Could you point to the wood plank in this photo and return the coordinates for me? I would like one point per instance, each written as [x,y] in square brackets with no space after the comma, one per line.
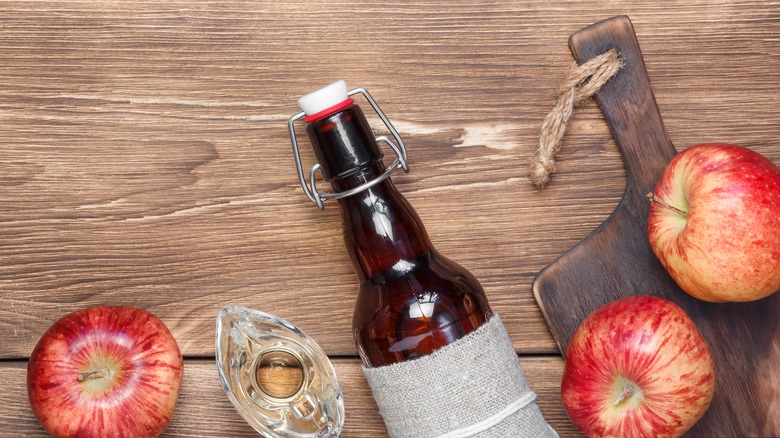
[144,158]
[204,411]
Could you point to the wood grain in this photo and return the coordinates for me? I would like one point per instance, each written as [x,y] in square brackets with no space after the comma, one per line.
[144,157]
[201,387]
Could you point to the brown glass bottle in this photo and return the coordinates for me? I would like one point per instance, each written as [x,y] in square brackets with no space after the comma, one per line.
[412,300]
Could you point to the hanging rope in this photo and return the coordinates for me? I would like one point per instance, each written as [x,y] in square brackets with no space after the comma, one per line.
[582,82]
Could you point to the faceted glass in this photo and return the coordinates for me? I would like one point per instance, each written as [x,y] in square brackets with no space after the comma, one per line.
[276,376]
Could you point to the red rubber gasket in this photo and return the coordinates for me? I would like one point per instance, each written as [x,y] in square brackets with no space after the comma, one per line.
[328,111]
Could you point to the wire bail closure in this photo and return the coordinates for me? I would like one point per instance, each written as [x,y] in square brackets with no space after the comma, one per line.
[310,189]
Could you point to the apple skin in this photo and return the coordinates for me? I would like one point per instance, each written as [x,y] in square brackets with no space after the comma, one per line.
[637,367]
[727,245]
[138,396]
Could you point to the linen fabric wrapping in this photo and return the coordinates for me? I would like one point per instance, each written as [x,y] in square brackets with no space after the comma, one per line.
[473,387]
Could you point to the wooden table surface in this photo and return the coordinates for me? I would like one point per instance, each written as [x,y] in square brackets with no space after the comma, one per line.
[145,160]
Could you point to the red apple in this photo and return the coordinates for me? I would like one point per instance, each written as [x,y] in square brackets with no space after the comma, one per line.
[715,223]
[105,372]
[637,367]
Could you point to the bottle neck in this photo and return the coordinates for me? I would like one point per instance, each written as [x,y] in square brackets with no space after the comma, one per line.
[381,230]
[344,143]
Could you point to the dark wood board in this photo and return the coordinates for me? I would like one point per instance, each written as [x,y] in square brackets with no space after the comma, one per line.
[617,261]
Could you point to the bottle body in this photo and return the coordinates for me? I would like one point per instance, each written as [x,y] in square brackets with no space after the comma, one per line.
[412,300]
[403,318]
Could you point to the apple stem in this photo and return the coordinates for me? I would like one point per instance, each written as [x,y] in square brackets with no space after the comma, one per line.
[96,374]
[625,394]
[651,196]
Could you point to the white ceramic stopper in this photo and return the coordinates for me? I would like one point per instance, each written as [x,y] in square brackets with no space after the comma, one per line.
[324,98]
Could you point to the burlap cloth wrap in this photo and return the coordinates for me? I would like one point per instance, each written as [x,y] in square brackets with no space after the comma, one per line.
[471,388]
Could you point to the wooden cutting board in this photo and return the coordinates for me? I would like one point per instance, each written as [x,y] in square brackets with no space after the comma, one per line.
[617,261]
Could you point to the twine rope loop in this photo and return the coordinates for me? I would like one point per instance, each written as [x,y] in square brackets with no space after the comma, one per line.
[582,82]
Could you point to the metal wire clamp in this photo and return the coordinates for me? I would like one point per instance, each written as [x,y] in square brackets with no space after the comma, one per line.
[310,189]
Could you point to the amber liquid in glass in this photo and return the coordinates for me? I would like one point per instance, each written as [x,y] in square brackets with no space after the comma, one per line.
[412,300]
